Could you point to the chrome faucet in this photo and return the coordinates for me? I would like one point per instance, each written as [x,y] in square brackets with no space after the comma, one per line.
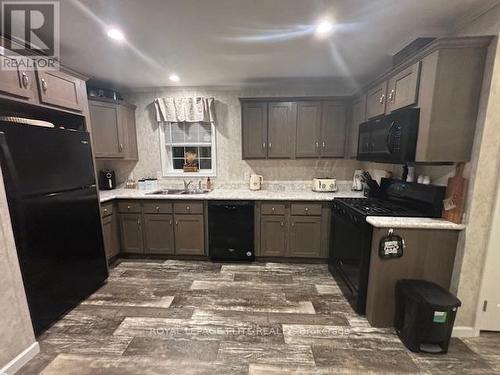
[186,184]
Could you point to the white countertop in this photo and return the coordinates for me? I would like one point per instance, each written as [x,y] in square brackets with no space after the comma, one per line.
[412,223]
[231,194]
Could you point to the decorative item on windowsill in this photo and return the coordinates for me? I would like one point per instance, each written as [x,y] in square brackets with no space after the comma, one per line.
[190,162]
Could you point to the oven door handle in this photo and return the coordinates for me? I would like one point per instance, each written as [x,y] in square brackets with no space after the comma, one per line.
[388,140]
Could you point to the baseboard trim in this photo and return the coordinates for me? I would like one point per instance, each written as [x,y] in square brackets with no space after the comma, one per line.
[464,331]
[21,359]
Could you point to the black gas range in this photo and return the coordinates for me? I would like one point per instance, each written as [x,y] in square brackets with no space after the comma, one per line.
[350,247]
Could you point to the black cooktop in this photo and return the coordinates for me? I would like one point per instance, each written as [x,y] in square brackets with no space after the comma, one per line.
[378,207]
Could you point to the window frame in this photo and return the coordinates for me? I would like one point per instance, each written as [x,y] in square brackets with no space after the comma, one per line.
[167,167]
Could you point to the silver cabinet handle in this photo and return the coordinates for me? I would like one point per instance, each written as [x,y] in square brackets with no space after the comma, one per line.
[105,210]
[177,222]
[44,85]
[157,208]
[272,209]
[323,145]
[307,210]
[128,208]
[138,221]
[293,223]
[25,80]
[391,95]
[264,145]
[120,147]
[188,208]
[282,223]
[382,98]
[170,222]
[270,145]
[317,144]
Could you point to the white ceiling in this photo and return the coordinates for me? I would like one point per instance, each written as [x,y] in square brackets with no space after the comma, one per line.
[247,42]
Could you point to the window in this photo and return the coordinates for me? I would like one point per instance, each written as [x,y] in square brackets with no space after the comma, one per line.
[188,148]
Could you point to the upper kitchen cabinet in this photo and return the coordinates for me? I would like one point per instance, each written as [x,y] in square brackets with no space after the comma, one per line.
[59,89]
[17,84]
[113,130]
[444,81]
[375,100]
[333,129]
[295,128]
[281,130]
[402,89]
[308,129]
[358,116]
[254,130]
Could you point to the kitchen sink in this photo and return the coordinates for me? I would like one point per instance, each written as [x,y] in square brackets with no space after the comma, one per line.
[178,192]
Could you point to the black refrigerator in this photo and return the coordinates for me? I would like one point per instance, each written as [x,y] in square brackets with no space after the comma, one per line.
[50,184]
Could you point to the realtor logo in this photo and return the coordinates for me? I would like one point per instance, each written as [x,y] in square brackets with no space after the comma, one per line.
[31,29]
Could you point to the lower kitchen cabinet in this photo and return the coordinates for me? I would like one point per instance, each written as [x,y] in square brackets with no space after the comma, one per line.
[131,233]
[273,236]
[189,235]
[305,236]
[159,234]
[293,229]
[110,235]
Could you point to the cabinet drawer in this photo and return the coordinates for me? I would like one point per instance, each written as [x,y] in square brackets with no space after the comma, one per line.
[157,208]
[309,209]
[106,209]
[127,206]
[188,207]
[273,209]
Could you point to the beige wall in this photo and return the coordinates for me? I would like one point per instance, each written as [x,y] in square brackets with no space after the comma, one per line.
[484,175]
[16,331]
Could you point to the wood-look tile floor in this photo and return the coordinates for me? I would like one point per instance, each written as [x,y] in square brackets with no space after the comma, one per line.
[188,317]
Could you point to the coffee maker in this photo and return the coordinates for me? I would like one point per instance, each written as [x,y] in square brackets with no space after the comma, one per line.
[107,179]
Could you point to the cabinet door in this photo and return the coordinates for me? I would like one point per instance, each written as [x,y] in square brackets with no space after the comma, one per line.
[17,83]
[254,130]
[158,234]
[333,130]
[376,100]
[107,233]
[358,117]
[273,233]
[131,233]
[59,89]
[281,130]
[403,88]
[308,129]
[107,132]
[130,134]
[189,235]
[305,236]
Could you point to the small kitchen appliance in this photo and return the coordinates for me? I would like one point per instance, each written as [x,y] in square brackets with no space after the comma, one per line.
[107,179]
[324,185]
[256,181]
[391,138]
[357,180]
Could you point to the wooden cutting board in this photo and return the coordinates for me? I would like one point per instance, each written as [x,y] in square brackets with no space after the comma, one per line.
[454,203]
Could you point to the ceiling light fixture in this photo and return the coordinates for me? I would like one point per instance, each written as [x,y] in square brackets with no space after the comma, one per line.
[174,78]
[116,34]
[324,28]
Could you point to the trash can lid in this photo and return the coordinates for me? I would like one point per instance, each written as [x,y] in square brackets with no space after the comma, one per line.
[428,292]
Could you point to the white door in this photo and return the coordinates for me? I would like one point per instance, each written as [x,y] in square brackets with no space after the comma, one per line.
[488,318]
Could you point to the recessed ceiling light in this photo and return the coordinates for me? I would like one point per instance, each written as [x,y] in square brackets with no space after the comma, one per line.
[116,34]
[324,28]
[174,78]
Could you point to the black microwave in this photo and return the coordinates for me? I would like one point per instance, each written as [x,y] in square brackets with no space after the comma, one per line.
[391,138]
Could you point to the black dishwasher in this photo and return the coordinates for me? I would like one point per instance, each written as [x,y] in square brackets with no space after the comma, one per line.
[231,230]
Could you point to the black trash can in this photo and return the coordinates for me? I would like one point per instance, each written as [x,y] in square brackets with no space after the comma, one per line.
[425,313]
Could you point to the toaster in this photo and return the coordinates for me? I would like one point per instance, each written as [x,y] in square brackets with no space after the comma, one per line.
[327,185]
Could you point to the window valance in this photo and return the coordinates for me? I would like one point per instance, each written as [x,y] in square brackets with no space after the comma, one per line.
[196,109]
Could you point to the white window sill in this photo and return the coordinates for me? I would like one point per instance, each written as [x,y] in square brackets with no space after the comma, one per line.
[189,174]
